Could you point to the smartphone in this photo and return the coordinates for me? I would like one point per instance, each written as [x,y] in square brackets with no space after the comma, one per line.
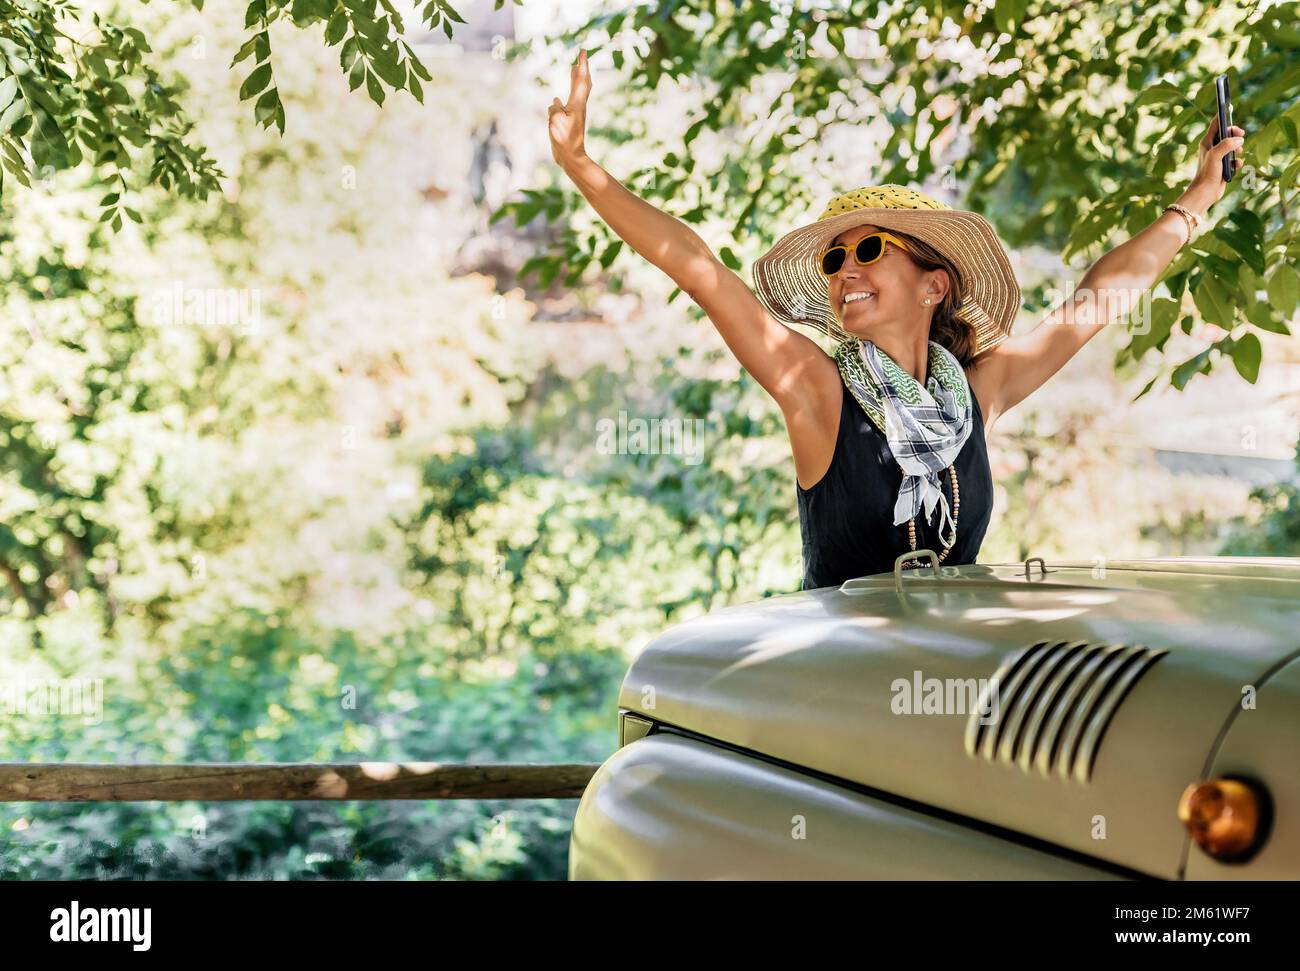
[1225,121]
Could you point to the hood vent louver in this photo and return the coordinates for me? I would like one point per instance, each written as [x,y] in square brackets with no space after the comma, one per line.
[1054,702]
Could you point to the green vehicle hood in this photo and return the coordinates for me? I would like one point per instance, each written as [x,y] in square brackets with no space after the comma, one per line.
[823,680]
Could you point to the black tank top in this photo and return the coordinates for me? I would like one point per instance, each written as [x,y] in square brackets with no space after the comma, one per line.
[847,519]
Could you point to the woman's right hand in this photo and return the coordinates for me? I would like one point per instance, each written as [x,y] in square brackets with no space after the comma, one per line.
[568,122]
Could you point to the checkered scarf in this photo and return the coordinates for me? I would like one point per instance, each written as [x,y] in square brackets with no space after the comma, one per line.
[925,425]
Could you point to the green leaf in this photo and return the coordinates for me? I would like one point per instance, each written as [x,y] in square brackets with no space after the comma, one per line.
[1160,94]
[47,144]
[1249,222]
[1292,132]
[1284,290]
[1141,215]
[1200,364]
[373,30]
[266,107]
[729,259]
[1248,282]
[256,11]
[8,88]
[38,96]
[255,82]
[1281,34]
[1177,284]
[1163,314]
[1214,302]
[357,74]
[245,50]
[1246,354]
[416,67]
[374,89]
[526,211]
[305,12]
[1244,243]
[349,54]
[1147,388]
[336,28]
[1264,317]
[1223,268]
[384,64]
[610,253]
[16,110]
[1087,232]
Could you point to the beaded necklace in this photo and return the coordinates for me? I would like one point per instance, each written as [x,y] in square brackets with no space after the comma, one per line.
[956,510]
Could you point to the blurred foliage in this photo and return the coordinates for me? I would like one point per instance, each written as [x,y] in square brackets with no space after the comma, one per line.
[530,535]
[1272,528]
[102,417]
[78,83]
[212,427]
[1081,121]
[252,689]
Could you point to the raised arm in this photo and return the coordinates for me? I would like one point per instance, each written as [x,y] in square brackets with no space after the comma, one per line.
[1008,373]
[791,367]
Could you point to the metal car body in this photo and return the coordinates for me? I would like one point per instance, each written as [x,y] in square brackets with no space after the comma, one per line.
[985,721]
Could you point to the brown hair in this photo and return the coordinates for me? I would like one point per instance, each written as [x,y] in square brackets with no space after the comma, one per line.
[946,328]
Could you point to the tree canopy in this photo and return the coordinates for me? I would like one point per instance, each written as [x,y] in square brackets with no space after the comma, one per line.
[78,84]
[1078,121]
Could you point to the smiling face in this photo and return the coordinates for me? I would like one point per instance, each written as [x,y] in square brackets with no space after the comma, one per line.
[889,293]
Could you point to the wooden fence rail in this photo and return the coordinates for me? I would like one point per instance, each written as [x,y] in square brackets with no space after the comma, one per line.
[278,781]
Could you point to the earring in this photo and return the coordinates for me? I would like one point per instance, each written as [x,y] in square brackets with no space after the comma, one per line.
[927,301]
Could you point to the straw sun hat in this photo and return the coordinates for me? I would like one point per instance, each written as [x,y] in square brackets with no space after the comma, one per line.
[789,282]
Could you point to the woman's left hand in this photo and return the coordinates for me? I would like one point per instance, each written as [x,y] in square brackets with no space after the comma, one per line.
[1208,182]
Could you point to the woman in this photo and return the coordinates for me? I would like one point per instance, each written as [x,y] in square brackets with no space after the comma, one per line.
[921,299]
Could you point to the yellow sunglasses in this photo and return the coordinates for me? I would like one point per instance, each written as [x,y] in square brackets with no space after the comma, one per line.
[866,251]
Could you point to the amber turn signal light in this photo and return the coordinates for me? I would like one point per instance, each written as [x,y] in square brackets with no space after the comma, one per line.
[1223,817]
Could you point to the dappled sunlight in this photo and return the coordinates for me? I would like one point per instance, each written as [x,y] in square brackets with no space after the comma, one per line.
[351,451]
[793,640]
[330,785]
[1088,598]
[1019,615]
[386,771]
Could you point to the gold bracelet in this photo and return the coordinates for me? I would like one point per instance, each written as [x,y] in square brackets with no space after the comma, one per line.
[1190,218]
